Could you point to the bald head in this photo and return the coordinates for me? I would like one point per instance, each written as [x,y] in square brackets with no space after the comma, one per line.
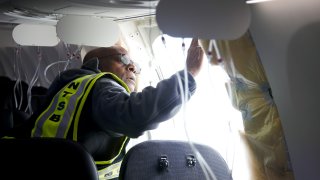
[110,60]
[103,52]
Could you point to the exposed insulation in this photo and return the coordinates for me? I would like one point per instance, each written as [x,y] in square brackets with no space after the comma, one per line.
[250,93]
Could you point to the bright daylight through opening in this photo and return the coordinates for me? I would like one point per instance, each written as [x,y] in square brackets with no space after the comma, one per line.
[209,117]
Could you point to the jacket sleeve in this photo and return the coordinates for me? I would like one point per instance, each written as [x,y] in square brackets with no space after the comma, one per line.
[116,110]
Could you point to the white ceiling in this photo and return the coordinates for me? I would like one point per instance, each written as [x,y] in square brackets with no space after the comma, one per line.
[49,12]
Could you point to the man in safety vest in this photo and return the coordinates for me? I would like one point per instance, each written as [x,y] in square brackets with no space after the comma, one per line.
[97,106]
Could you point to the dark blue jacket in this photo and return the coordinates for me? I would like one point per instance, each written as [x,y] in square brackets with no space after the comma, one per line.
[111,113]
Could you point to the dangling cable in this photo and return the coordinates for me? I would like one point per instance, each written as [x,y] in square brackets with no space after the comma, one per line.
[203,164]
[49,66]
[66,46]
[16,71]
[17,88]
[213,44]
[184,92]
[70,56]
[231,132]
[163,40]
[158,68]
[33,81]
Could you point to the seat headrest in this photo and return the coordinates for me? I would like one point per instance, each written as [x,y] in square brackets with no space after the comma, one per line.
[45,158]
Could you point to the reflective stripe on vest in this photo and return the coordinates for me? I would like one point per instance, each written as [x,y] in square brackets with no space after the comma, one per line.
[56,120]
[66,107]
[113,170]
[110,172]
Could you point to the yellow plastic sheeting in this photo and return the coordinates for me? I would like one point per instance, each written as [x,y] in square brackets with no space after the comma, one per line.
[250,93]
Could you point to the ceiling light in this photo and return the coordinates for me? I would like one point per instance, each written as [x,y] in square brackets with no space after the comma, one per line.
[256,1]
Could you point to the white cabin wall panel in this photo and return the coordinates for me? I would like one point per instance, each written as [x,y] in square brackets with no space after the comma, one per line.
[287,37]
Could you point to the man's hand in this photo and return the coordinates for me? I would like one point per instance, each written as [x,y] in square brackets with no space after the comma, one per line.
[195,57]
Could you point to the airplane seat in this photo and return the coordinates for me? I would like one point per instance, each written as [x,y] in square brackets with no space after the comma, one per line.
[10,119]
[7,109]
[12,116]
[6,121]
[171,160]
[45,158]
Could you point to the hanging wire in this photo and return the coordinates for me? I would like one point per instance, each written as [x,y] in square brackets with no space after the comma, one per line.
[70,57]
[33,81]
[213,44]
[203,164]
[149,135]
[184,91]
[235,140]
[230,148]
[17,88]
[158,68]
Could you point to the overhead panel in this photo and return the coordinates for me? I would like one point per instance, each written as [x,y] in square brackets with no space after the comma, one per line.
[88,30]
[207,19]
[35,35]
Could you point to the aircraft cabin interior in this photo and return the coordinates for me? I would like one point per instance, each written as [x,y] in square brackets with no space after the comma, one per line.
[255,106]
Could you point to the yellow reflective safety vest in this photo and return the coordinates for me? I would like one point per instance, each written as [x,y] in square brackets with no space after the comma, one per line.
[65,110]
